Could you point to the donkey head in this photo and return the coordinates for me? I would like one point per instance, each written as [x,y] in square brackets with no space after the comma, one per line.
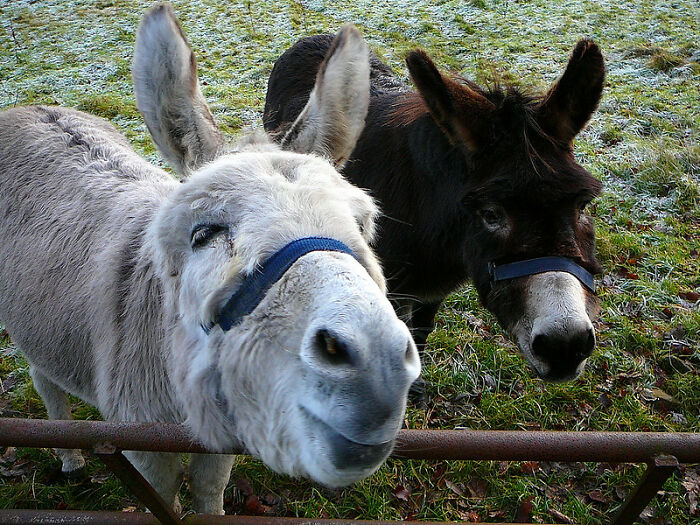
[312,375]
[523,198]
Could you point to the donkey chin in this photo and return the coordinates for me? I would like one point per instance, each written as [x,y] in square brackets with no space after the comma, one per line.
[555,332]
[336,458]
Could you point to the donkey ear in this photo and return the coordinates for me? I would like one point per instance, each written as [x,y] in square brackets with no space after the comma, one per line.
[168,95]
[570,102]
[334,116]
[460,109]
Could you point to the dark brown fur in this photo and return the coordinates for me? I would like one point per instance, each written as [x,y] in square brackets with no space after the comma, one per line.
[441,159]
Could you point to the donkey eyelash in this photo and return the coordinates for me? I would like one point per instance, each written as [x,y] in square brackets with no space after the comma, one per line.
[491,216]
[203,233]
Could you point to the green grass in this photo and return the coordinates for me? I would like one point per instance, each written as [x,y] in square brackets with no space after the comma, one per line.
[642,143]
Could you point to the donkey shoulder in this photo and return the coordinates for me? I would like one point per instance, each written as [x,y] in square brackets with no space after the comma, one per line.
[82,144]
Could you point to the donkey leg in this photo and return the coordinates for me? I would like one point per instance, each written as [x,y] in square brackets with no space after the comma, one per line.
[422,324]
[58,407]
[163,471]
[209,474]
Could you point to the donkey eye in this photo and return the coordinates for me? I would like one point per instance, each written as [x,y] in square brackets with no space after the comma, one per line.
[203,233]
[582,207]
[492,217]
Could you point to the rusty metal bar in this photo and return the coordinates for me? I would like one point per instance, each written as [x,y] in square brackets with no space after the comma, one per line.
[66,517]
[504,445]
[132,478]
[61,517]
[43,433]
[661,451]
[654,478]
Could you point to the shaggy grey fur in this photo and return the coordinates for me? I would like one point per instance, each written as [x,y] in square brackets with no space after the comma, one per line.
[103,290]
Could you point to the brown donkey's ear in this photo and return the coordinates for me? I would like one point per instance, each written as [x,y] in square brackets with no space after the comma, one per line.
[459,109]
[570,102]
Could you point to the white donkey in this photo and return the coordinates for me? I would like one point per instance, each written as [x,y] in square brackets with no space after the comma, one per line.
[244,302]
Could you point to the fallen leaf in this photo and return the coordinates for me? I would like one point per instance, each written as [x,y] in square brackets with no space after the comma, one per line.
[244,486]
[454,488]
[660,399]
[689,296]
[7,384]
[691,483]
[439,471]
[678,418]
[9,456]
[584,408]
[604,400]
[598,496]
[621,493]
[253,505]
[676,364]
[477,488]
[693,503]
[130,508]
[524,513]
[402,493]
[19,468]
[469,515]
[99,478]
[529,467]
[681,348]
[271,499]
[563,518]
[624,272]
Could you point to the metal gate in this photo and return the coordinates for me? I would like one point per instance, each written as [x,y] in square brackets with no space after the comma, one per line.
[661,451]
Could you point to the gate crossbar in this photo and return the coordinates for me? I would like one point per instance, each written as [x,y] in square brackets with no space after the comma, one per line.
[661,451]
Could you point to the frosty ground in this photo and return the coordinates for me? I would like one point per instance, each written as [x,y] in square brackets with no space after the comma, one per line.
[642,143]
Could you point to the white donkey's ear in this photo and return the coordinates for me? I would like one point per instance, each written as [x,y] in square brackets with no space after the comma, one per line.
[168,95]
[334,116]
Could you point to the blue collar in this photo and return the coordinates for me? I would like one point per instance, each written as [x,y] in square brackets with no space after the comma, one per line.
[502,272]
[255,285]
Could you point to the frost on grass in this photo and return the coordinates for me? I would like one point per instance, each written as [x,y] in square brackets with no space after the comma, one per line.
[643,143]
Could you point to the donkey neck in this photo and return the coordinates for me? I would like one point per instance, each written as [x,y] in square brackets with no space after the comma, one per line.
[415,173]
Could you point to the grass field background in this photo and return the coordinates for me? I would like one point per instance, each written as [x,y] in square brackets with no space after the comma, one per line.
[642,143]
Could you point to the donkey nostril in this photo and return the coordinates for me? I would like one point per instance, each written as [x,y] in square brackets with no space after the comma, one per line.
[408,356]
[330,349]
[588,345]
[542,347]
[582,344]
[556,349]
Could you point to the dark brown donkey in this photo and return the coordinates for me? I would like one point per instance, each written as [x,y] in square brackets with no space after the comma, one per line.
[477,184]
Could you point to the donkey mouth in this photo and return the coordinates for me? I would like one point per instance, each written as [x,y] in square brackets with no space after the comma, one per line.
[557,372]
[346,453]
[562,374]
